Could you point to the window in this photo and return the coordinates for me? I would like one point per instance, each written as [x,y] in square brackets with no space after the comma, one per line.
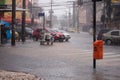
[115,33]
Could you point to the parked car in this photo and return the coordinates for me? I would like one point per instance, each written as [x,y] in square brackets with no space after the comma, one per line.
[67,35]
[101,32]
[111,37]
[28,31]
[58,36]
[36,34]
[72,30]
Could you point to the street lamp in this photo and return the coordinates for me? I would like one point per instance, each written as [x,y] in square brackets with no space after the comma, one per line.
[70,19]
[67,20]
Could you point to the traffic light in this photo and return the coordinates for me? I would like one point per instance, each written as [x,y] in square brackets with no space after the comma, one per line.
[96,0]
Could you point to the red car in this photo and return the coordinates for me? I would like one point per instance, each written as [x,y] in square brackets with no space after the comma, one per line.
[58,36]
[36,34]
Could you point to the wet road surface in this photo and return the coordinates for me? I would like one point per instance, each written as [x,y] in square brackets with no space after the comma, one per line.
[62,61]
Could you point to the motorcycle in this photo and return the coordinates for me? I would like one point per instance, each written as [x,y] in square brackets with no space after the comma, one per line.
[46,37]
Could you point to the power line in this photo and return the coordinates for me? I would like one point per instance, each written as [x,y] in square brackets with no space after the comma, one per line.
[55,9]
[54,5]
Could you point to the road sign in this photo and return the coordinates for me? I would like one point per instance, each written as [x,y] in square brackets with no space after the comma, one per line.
[41,14]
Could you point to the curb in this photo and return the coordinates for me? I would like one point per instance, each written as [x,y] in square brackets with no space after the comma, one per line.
[12,75]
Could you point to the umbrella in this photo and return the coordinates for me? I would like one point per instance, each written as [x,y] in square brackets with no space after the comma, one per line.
[7,24]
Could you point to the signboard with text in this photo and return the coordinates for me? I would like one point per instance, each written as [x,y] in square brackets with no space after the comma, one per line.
[2,2]
[41,14]
[2,6]
[115,1]
[8,15]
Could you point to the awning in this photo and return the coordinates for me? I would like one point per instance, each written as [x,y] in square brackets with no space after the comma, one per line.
[29,21]
[20,20]
[7,19]
[10,9]
[2,22]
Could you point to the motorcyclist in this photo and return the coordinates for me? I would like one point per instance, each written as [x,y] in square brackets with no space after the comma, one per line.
[47,35]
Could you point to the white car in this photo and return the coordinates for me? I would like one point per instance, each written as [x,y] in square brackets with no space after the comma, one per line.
[112,36]
[67,35]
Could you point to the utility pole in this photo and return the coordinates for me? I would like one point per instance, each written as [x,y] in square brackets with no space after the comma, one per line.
[42,16]
[67,19]
[69,16]
[23,21]
[79,2]
[108,11]
[32,16]
[103,17]
[13,22]
[51,11]
[78,13]
[94,29]
[73,14]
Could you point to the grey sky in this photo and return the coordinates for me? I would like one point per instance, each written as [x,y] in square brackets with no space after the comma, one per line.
[58,10]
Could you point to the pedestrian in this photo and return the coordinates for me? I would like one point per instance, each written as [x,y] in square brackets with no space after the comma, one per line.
[3,34]
[18,29]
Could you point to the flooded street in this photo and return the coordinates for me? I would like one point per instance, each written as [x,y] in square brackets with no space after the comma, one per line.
[54,39]
[61,61]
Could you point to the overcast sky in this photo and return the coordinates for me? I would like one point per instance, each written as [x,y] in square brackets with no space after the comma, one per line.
[58,10]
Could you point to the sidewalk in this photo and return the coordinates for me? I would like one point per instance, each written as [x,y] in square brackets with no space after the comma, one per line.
[13,75]
[61,61]
[9,75]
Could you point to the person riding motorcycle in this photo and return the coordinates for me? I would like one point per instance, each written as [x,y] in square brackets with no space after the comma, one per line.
[47,37]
